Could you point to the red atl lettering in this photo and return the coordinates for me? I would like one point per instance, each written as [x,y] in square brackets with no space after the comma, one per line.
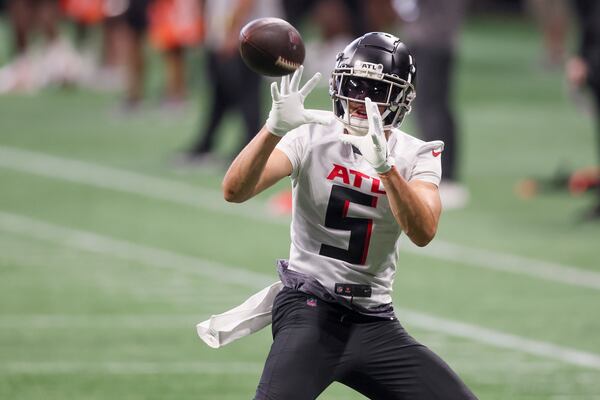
[375,186]
[358,177]
[341,172]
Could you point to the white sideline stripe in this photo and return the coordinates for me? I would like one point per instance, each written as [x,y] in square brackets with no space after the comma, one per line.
[154,257]
[493,260]
[209,199]
[125,181]
[71,321]
[500,339]
[128,367]
[132,252]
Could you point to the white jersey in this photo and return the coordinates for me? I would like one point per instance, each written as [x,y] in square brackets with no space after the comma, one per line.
[343,230]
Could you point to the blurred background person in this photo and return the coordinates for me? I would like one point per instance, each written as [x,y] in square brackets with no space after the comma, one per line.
[552,18]
[175,25]
[431,29]
[135,20]
[27,16]
[336,22]
[45,55]
[351,15]
[172,26]
[104,66]
[233,86]
[583,70]
[32,67]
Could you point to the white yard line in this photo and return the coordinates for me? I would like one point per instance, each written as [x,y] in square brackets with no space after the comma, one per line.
[182,193]
[129,367]
[86,321]
[151,256]
[494,260]
[500,339]
[103,177]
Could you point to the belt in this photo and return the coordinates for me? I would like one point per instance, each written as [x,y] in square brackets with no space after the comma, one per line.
[352,290]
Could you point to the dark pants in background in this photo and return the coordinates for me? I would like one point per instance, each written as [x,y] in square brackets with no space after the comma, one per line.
[434,116]
[233,87]
[595,88]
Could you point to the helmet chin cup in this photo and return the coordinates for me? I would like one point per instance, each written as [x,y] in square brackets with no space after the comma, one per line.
[356,126]
[354,131]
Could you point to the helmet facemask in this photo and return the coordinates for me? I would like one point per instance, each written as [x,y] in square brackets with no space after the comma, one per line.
[354,84]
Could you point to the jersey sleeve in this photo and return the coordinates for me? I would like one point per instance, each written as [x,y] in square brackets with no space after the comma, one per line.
[294,145]
[428,163]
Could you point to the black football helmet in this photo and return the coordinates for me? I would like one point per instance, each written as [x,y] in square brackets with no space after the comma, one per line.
[379,66]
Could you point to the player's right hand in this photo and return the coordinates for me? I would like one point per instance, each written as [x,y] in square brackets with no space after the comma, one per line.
[287,111]
[373,146]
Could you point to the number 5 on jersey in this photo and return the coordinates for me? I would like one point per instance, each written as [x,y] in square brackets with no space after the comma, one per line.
[360,228]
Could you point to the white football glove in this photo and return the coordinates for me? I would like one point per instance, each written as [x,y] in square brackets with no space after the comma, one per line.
[287,111]
[373,146]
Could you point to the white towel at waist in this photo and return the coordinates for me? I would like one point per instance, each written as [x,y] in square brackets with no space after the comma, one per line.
[249,317]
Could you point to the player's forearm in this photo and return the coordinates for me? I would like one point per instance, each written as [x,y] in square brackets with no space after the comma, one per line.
[240,181]
[412,213]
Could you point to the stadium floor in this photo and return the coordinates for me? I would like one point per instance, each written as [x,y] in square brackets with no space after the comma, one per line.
[110,254]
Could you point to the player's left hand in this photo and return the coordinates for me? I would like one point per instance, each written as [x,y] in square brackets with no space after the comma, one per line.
[373,145]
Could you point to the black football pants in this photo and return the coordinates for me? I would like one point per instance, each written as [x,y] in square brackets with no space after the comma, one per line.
[317,343]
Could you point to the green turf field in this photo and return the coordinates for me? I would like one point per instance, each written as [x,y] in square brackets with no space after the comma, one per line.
[109,255]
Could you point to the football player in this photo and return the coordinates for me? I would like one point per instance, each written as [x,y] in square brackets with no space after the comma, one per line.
[358,182]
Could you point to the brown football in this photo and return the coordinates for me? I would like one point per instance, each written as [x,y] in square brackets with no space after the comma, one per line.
[271,47]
